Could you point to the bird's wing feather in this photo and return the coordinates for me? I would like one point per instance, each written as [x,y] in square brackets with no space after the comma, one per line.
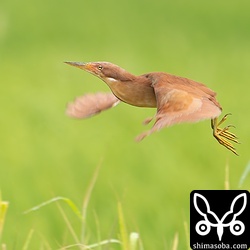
[91,104]
[176,104]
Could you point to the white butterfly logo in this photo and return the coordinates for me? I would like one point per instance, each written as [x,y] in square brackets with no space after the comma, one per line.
[236,227]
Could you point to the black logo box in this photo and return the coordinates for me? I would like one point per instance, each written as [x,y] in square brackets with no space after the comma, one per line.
[220,202]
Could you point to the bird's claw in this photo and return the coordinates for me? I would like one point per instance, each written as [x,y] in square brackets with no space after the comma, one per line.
[222,135]
[223,119]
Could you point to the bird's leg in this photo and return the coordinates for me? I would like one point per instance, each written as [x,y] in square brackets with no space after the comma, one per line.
[223,135]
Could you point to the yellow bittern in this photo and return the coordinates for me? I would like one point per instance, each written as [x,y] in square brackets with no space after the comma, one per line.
[177,99]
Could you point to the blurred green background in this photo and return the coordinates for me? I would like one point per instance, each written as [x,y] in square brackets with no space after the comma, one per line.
[46,154]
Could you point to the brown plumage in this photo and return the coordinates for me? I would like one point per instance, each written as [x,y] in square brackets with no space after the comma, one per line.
[177,99]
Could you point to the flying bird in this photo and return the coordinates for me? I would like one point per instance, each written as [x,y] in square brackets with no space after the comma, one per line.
[177,99]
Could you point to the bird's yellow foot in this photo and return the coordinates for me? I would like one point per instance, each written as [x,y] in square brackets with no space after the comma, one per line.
[223,136]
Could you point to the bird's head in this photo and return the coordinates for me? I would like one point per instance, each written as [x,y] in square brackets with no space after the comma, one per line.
[106,71]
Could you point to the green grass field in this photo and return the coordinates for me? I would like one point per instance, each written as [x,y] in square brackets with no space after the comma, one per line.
[45,154]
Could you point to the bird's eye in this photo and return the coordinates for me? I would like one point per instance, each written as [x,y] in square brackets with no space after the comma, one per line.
[100,67]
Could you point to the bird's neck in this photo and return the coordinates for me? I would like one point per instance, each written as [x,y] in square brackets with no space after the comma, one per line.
[120,75]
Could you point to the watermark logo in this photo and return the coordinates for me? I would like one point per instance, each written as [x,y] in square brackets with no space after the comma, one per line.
[219,219]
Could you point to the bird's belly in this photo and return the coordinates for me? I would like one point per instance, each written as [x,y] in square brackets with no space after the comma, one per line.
[140,97]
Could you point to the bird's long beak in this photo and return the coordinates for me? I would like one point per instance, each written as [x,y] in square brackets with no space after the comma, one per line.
[85,66]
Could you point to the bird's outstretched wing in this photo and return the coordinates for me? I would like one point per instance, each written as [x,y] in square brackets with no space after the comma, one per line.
[91,104]
[178,102]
